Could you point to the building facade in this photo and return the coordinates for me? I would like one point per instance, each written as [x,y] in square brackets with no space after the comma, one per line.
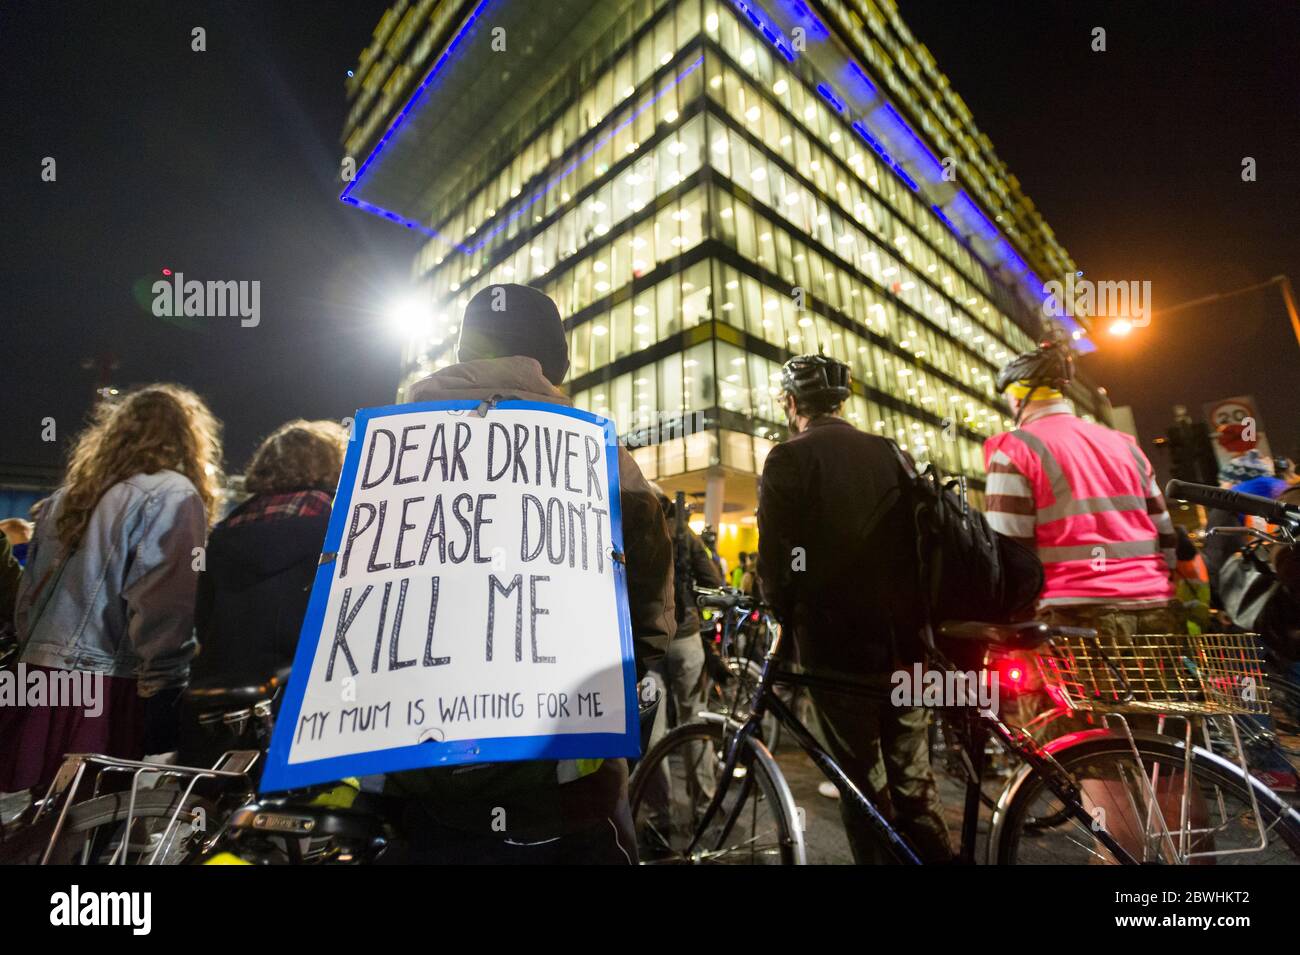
[705,188]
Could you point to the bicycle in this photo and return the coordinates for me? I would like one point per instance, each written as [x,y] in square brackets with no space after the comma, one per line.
[1279,730]
[172,815]
[1270,738]
[1046,812]
[1276,730]
[177,815]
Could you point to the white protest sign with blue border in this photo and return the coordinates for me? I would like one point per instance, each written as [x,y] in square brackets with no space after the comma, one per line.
[471,602]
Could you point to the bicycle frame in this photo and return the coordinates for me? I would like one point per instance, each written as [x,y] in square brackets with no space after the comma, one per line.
[976,729]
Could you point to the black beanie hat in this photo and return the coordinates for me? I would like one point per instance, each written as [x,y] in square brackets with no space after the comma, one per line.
[504,320]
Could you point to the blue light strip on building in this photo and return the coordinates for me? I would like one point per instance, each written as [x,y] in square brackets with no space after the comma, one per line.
[862,78]
[975,220]
[830,96]
[939,212]
[861,129]
[799,11]
[922,151]
[346,195]
[536,197]
[773,36]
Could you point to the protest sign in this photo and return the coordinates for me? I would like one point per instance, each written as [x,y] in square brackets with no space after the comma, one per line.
[471,603]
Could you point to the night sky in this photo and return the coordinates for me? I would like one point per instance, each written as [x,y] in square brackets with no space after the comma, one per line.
[1134,155]
[224,165]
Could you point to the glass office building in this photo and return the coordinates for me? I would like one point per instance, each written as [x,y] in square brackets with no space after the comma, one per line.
[707,187]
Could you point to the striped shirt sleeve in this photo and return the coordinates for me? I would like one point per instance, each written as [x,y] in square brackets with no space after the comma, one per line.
[1009,499]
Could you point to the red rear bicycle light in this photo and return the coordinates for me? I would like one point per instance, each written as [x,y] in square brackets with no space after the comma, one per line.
[754,616]
[1011,674]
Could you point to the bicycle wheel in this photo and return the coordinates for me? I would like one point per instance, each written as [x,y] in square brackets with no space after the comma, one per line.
[93,831]
[1114,794]
[670,792]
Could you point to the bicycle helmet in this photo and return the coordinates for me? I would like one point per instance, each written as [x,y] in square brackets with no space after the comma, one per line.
[1051,365]
[816,380]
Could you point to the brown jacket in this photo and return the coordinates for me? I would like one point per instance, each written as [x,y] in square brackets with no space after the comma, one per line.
[535,803]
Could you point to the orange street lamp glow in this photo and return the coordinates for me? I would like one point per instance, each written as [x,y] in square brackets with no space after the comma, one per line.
[1121,327]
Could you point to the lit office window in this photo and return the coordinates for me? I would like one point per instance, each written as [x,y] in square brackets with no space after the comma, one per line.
[669,372]
[699,384]
[697,295]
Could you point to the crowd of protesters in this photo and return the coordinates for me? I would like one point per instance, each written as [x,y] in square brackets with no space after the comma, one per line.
[132,571]
[123,578]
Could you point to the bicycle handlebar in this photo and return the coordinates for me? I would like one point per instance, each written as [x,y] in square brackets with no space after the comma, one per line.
[725,598]
[1275,512]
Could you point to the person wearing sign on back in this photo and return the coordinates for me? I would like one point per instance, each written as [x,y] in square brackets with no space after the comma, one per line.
[835,560]
[512,345]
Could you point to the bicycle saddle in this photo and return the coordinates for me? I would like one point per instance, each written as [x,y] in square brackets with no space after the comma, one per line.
[1016,636]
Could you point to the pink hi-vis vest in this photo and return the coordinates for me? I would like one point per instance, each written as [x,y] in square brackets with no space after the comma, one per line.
[1092,530]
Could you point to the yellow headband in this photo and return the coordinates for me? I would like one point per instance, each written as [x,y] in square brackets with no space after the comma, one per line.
[1020,392]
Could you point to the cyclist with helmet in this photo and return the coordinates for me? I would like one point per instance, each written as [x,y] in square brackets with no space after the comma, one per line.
[1085,498]
[834,561]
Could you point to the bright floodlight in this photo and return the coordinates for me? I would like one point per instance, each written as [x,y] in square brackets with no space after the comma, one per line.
[1121,326]
[410,317]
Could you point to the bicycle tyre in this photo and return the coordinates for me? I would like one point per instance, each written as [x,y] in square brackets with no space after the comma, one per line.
[1020,824]
[714,735]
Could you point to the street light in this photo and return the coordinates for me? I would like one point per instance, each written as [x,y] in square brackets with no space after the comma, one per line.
[1124,326]
[409,317]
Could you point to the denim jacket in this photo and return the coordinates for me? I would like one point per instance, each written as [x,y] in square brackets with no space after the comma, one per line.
[122,603]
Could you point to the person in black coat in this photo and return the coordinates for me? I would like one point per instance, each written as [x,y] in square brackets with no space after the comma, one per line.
[836,559]
[262,558]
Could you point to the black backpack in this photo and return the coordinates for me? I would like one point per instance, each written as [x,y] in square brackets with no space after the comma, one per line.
[968,571]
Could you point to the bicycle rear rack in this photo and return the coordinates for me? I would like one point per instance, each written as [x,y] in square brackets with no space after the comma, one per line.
[1156,828]
[233,767]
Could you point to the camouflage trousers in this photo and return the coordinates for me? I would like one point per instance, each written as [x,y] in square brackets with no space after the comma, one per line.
[885,750]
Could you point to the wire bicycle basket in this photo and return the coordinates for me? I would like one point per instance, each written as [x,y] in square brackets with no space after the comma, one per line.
[1205,674]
